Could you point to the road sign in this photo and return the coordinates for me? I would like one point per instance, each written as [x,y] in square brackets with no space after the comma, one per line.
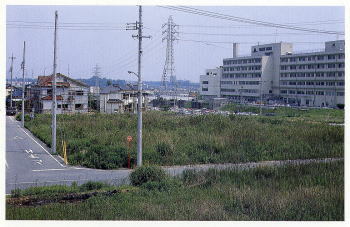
[129,138]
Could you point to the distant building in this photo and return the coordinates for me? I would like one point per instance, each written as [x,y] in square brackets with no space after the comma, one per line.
[121,99]
[210,83]
[71,95]
[274,72]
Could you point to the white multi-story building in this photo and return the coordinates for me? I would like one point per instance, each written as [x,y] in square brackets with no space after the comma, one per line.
[274,72]
[316,78]
[210,83]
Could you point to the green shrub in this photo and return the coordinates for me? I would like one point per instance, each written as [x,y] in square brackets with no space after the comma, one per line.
[164,149]
[167,184]
[341,106]
[91,185]
[145,174]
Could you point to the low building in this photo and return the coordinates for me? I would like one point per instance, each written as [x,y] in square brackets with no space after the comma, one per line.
[210,83]
[71,95]
[121,99]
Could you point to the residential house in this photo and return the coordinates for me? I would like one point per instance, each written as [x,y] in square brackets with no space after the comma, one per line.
[71,95]
[120,99]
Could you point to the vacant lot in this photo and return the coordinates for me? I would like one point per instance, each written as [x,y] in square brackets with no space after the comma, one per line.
[99,140]
[293,114]
[305,192]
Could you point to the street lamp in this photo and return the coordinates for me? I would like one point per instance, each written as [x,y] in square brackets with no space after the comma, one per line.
[139,119]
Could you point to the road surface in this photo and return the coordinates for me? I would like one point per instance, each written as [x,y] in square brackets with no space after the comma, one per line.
[29,163]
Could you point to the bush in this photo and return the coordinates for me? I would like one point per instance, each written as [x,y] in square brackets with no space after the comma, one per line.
[91,185]
[167,184]
[146,174]
[341,106]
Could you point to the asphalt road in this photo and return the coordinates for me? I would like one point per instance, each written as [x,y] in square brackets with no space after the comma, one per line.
[29,163]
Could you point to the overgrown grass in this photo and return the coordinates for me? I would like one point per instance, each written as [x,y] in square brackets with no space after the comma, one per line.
[289,113]
[305,192]
[99,140]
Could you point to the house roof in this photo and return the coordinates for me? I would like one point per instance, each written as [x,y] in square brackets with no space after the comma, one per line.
[49,97]
[46,81]
[116,88]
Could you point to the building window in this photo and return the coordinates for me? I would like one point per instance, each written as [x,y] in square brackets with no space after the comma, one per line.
[293,59]
[331,57]
[227,90]
[78,106]
[79,93]
[226,82]
[341,56]
[331,66]
[204,89]
[268,48]
[59,106]
[321,57]
[65,106]
[340,74]
[340,93]
[205,82]
[331,74]
[262,49]
[283,91]
[341,65]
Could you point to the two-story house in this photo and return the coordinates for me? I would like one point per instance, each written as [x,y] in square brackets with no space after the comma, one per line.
[71,95]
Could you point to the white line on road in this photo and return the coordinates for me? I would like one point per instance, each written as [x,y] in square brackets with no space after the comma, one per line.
[58,181]
[42,147]
[7,166]
[44,170]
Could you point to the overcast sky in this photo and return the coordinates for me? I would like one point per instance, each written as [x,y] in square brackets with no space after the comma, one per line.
[96,36]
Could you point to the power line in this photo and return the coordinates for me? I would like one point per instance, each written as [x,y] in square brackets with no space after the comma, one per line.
[246,20]
[246,34]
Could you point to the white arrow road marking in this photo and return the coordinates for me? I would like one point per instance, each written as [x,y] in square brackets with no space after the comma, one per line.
[17,138]
[33,156]
[28,151]
[40,162]
[42,148]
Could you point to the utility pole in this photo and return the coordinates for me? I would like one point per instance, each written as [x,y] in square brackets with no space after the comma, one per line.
[53,144]
[23,85]
[11,70]
[138,26]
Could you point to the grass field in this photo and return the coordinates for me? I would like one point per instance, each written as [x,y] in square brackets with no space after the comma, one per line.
[305,192]
[288,113]
[99,140]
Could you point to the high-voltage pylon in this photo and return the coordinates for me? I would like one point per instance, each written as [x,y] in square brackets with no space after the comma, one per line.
[169,68]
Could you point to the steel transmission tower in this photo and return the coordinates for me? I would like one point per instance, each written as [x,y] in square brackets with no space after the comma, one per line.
[97,74]
[169,68]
